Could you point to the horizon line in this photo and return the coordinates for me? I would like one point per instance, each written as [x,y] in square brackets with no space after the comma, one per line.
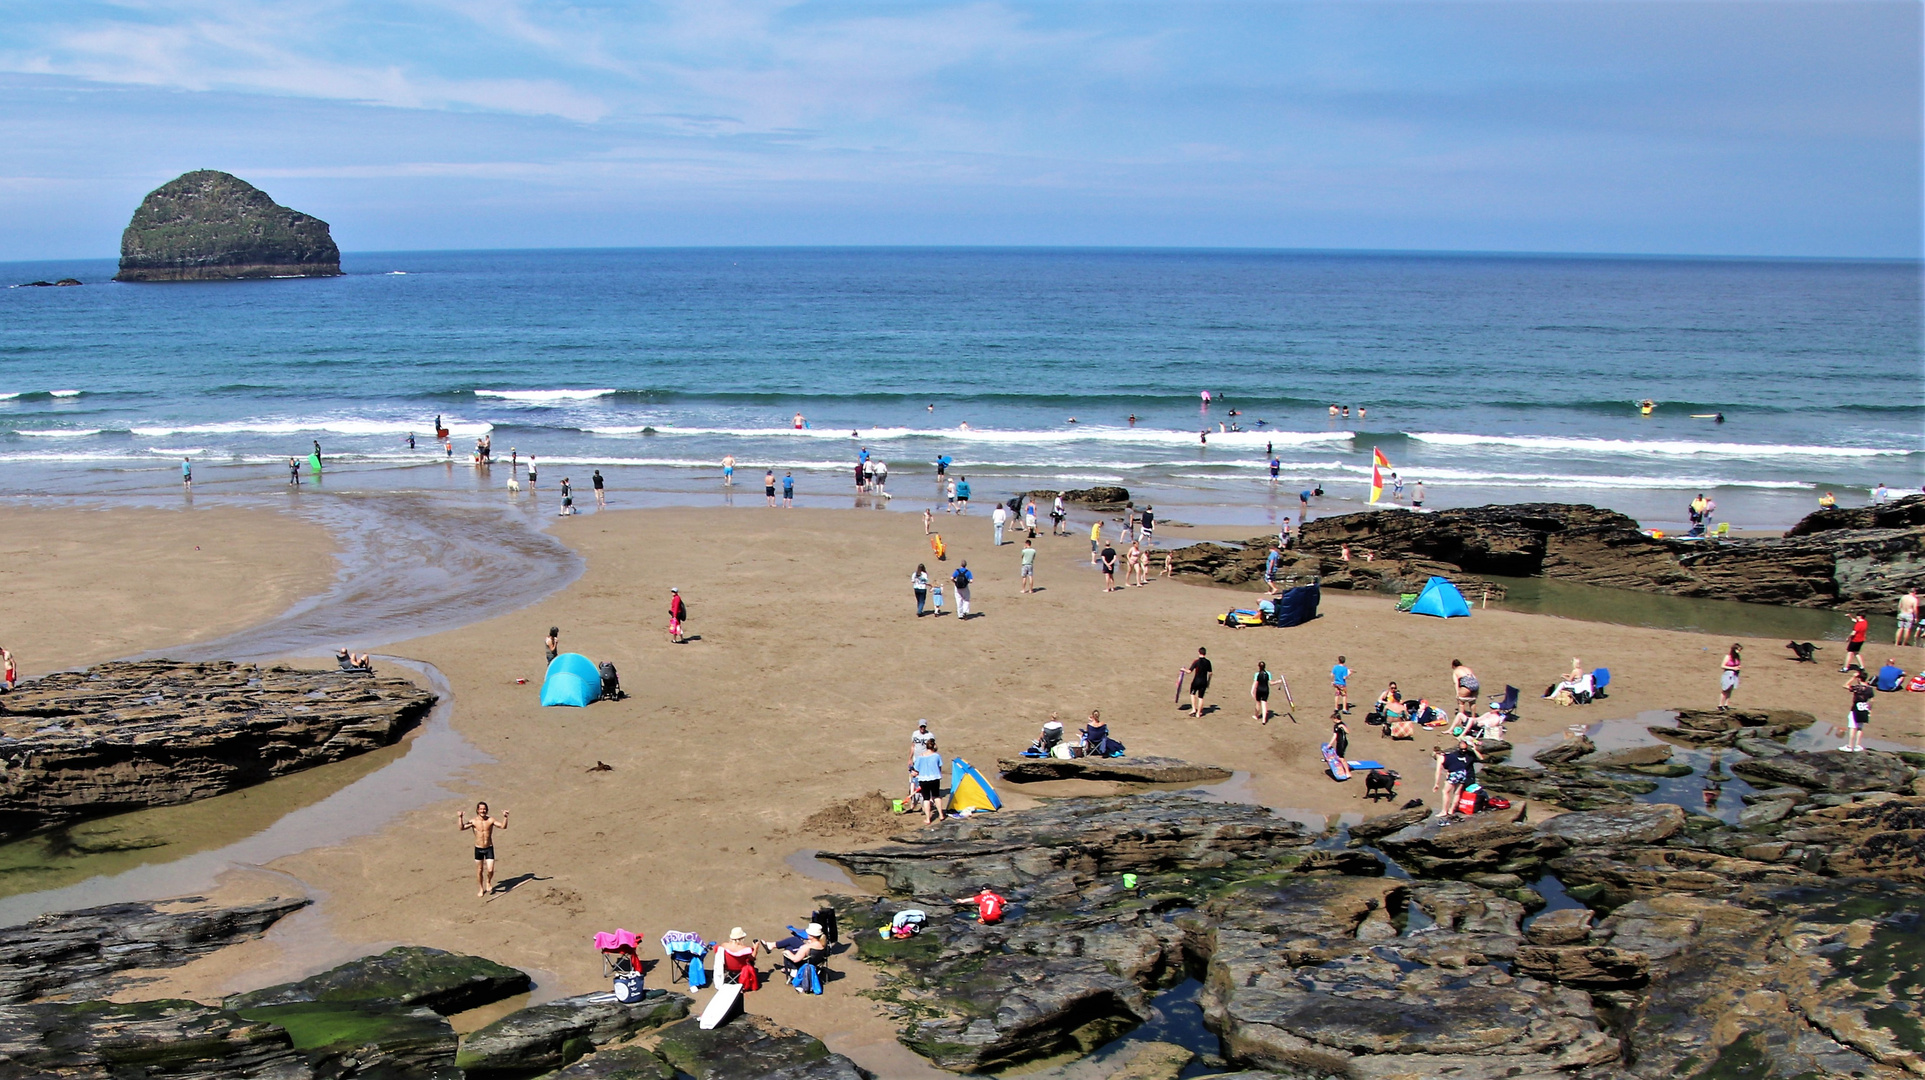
[1917,260]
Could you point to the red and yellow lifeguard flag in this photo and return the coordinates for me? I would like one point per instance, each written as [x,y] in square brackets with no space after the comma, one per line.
[1378,463]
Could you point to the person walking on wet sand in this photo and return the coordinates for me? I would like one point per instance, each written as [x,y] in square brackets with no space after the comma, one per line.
[601,495]
[484,828]
[768,486]
[1260,693]
[1199,680]
[187,474]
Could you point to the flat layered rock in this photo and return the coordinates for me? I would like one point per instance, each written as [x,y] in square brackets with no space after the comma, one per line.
[1831,771]
[407,977]
[134,734]
[180,1040]
[1152,831]
[1139,770]
[1645,823]
[78,953]
[751,1048]
[553,1034]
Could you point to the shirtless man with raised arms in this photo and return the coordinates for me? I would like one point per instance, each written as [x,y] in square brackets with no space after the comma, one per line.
[484,828]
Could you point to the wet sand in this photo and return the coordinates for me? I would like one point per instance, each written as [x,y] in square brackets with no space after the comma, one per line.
[83,586]
[765,734]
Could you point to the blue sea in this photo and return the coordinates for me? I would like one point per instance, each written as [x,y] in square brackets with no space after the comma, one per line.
[1487,378]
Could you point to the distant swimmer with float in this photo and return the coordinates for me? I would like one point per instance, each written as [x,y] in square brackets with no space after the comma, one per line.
[1646,406]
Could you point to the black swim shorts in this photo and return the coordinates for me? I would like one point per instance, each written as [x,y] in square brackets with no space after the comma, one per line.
[484,852]
[930,788]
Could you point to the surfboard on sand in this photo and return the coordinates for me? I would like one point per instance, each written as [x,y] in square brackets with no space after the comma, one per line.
[720,1005]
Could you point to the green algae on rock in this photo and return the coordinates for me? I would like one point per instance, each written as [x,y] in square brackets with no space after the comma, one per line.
[210,226]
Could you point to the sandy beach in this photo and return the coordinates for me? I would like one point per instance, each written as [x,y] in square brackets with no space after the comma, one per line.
[89,585]
[783,724]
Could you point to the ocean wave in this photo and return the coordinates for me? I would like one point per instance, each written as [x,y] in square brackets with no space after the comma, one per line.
[1141,436]
[323,425]
[10,396]
[1295,471]
[57,433]
[184,451]
[1629,446]
[65,393]
[543,397]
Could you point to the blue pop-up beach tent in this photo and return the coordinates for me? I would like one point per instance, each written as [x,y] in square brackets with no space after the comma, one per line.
[573,679]
[1440,598]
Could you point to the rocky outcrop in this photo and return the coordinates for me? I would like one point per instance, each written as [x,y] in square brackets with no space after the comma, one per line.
[408,977]
[65,281]
[210,226]
[751,1048]
[134,734]
[180,1040]
[1711,728]
[1108,497]
[1138,770]
[78,953]
[1702,949]
[1832,559]
[1831,771]
[555,1033]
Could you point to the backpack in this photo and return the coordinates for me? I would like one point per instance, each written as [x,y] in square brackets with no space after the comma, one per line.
[960,578]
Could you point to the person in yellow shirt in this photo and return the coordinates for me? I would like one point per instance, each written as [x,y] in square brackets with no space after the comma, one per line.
[1095,540]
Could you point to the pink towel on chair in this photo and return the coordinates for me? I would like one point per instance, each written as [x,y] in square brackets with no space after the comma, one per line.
[620,939]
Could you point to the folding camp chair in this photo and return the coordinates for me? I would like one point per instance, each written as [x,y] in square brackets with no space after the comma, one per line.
[1507,704]
[1599,680]
[618,953]
[684,951]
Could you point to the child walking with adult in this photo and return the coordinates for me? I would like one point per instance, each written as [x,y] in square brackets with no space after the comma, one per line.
[919,584]
[1727,682]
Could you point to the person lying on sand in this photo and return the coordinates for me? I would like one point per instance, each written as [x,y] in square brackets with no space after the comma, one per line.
[352,661]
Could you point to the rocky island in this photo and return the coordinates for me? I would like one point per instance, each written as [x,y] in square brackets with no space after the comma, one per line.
[210,226]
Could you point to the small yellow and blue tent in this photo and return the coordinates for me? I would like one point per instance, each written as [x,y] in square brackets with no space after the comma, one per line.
[968,790]
[573,679]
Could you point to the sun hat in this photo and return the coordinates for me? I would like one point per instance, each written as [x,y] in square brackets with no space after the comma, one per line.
[737,934]
[815,929]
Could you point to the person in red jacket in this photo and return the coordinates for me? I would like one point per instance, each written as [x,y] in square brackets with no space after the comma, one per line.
[988,905]
[677,611]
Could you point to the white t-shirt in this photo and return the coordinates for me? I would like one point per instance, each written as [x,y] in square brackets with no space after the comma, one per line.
[1001,515]
[920,738]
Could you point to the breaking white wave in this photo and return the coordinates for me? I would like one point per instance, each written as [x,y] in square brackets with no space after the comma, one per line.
[323,425]
[1632,446]
[57,433]
[1139,436]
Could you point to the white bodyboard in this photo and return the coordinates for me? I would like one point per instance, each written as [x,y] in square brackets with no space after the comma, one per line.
[720,1005]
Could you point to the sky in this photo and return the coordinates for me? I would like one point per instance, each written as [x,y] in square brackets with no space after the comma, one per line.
[1710,127]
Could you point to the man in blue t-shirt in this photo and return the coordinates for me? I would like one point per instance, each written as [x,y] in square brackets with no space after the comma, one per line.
[1270,570]
[1891,677]
[1340,684]
[927,767]
[788,489]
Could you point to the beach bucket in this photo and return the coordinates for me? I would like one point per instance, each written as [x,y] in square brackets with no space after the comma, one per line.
[898,806]
[1129,881]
